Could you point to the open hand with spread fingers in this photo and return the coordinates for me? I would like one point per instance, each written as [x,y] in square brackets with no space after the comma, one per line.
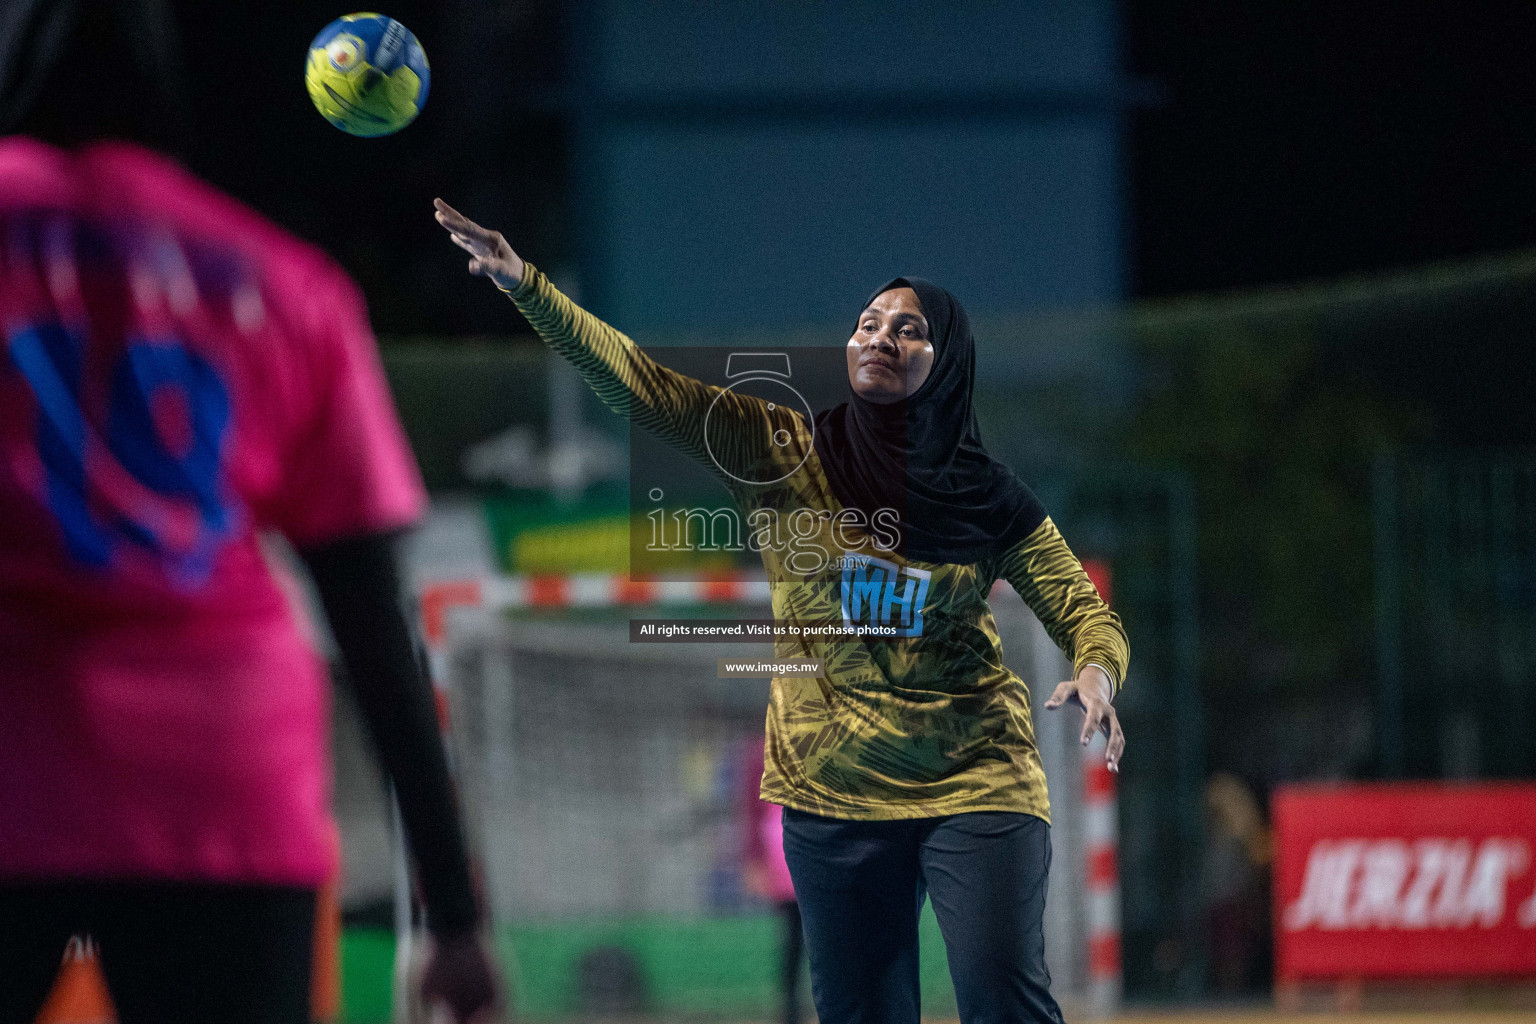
[490,255]
[1092,691]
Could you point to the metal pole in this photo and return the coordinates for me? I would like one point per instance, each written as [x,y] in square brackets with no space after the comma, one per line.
[1101,848]
[567,476]
[1189,710]
[1388,573]
[403,933]
[1503,592]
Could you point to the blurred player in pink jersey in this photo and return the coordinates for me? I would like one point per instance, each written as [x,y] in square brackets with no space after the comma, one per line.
[178,376]
[766,875]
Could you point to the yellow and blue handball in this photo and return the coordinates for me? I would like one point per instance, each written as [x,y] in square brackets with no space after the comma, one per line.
[367,74]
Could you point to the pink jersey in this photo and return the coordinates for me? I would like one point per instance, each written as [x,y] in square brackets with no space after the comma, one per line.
[764,845]
[177,376]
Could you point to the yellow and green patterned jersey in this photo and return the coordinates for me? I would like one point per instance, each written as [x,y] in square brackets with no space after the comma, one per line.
[923,723]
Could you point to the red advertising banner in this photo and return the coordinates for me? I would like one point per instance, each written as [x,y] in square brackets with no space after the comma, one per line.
[1405,881]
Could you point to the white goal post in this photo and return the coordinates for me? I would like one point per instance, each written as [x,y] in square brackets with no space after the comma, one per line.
[562,728]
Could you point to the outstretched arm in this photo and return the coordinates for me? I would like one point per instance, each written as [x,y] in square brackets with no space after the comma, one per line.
[663,402]
[1052,582]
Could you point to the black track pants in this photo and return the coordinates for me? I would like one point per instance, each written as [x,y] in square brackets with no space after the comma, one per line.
[860,885]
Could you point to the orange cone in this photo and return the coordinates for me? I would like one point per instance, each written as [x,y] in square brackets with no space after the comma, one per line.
[79,995]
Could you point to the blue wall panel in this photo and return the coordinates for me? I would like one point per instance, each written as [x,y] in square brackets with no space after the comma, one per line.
[816,149]
[715,226]
[801,45]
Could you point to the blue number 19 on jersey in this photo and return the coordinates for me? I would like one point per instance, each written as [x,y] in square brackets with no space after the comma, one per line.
[155,479]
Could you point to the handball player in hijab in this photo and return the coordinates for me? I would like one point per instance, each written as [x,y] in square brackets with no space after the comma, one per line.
[904,758]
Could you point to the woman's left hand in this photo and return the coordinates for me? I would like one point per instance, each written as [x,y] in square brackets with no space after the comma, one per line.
[1092,691]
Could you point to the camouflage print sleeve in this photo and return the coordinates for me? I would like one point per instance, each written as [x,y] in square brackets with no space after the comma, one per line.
[1052,582]
[660,401]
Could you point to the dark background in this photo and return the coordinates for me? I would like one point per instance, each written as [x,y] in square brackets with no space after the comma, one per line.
[1305,140]
[1302,141]
[1277,143]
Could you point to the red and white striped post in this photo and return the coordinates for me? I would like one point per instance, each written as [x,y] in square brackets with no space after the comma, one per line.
[1101,850]
[580,590]
[1101,845]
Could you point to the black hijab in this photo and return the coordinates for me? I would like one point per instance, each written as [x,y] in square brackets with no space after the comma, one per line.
[923,456]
